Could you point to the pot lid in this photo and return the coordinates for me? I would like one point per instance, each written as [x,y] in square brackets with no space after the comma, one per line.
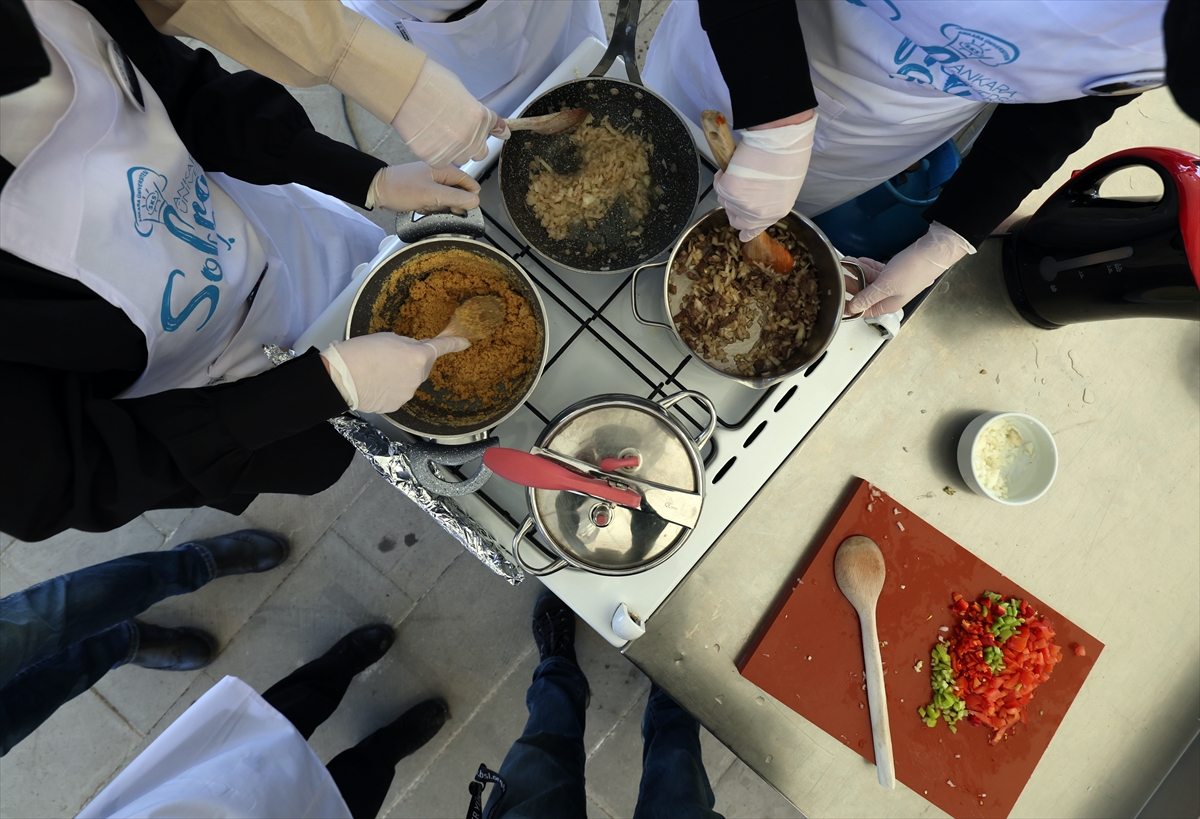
[599,535]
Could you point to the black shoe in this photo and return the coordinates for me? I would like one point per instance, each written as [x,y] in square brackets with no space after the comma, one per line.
[553,627]
[410,731]
[363,647]
[173,649]
[245,551]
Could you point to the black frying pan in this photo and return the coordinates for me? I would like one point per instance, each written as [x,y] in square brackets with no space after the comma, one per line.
[674,166]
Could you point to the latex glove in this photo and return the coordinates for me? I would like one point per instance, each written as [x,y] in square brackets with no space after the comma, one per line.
[764,176]
[381,371]
[909,272]
[442,123]
[416,186]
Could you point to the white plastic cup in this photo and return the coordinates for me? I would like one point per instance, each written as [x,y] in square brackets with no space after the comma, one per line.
[1030,475]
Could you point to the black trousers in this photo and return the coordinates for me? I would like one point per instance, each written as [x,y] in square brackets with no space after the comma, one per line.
[309,696]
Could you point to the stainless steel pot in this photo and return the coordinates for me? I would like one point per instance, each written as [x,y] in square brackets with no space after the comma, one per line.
[457,421]
[832,272]
[593,535]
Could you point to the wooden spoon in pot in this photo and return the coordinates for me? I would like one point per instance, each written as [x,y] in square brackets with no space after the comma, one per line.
[549,124]
[859,569]
[762,249]
[476,318]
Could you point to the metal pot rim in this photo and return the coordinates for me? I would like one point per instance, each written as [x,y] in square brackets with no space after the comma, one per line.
[409,250]
[504,200]
[760,382]
[604,400]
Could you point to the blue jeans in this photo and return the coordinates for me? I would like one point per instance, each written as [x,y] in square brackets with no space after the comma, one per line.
[58,638]
[544,768]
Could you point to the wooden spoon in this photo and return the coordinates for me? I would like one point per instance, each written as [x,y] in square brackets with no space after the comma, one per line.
[859,569]
[549,124]
[762,249]
[476,318]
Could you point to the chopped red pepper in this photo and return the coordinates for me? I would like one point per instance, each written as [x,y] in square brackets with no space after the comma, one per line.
[999,699]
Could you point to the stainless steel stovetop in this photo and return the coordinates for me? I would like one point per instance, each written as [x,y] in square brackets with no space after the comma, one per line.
[597,346]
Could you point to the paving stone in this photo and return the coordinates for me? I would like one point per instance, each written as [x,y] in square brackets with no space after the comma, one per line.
[616,684]
[24,564]
[166,520]
[56,770]
[398,538]
[615,768]
[437,786]
[743,793]
[199,686]
[143,695]
[331,592]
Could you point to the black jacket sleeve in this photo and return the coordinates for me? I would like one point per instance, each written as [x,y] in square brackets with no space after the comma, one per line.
[1018,150]
[241,124]
[760,50]
[1181,38]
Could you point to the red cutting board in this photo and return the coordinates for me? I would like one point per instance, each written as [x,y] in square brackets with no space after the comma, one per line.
[809,656]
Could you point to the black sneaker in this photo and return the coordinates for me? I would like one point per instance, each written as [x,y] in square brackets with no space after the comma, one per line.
[245,551]
[363,647]
[173,649]
[410,731]
[553,627]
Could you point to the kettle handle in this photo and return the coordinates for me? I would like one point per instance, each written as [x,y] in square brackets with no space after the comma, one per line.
[671,401]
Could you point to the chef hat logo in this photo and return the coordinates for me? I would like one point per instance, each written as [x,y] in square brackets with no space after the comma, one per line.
[147,191]
[979,45]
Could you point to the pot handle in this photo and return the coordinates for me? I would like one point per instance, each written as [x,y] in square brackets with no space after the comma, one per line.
[888,324]
[671,401]
[422,455]
[622,43]
[633,298]
[413,227]
[519,538]
[859,278]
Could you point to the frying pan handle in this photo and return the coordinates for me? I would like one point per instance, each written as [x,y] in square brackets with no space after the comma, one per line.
[702,439]
[633,298]
[623,42]
[413,227]
[860,278]
[519,538]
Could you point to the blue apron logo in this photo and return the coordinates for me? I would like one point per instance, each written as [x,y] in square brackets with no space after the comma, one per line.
[949,59]
[148,195]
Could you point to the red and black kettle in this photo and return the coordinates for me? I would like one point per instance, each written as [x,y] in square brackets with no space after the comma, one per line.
[1082,258]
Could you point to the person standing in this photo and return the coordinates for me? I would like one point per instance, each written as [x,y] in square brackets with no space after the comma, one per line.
[543,773]
[235,753]
[58,638]
[151,242]
[836,96]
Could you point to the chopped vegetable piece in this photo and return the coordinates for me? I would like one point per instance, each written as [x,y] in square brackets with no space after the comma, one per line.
[1079,650]
[999,652]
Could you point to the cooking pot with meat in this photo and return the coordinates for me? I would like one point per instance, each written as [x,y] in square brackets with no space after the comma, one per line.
[714,317]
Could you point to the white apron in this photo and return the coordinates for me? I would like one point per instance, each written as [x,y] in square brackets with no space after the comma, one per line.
[230,755]
[895,80]
[209,268]
[501,52]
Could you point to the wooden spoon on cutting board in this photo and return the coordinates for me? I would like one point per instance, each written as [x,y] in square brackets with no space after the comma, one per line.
[549,124]
[762,249]
[476,318]
[859,569]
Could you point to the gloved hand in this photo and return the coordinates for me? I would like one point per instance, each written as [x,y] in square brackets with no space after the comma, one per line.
[381,371]
[764,176]
[909,272]
[442,123]
[416,186]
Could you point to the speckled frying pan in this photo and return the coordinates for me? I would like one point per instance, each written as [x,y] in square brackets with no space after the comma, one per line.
[674,166]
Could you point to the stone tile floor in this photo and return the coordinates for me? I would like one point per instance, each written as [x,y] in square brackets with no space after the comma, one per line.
[360,553]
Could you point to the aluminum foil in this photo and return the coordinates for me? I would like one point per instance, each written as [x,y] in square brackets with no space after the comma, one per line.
[391,461]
